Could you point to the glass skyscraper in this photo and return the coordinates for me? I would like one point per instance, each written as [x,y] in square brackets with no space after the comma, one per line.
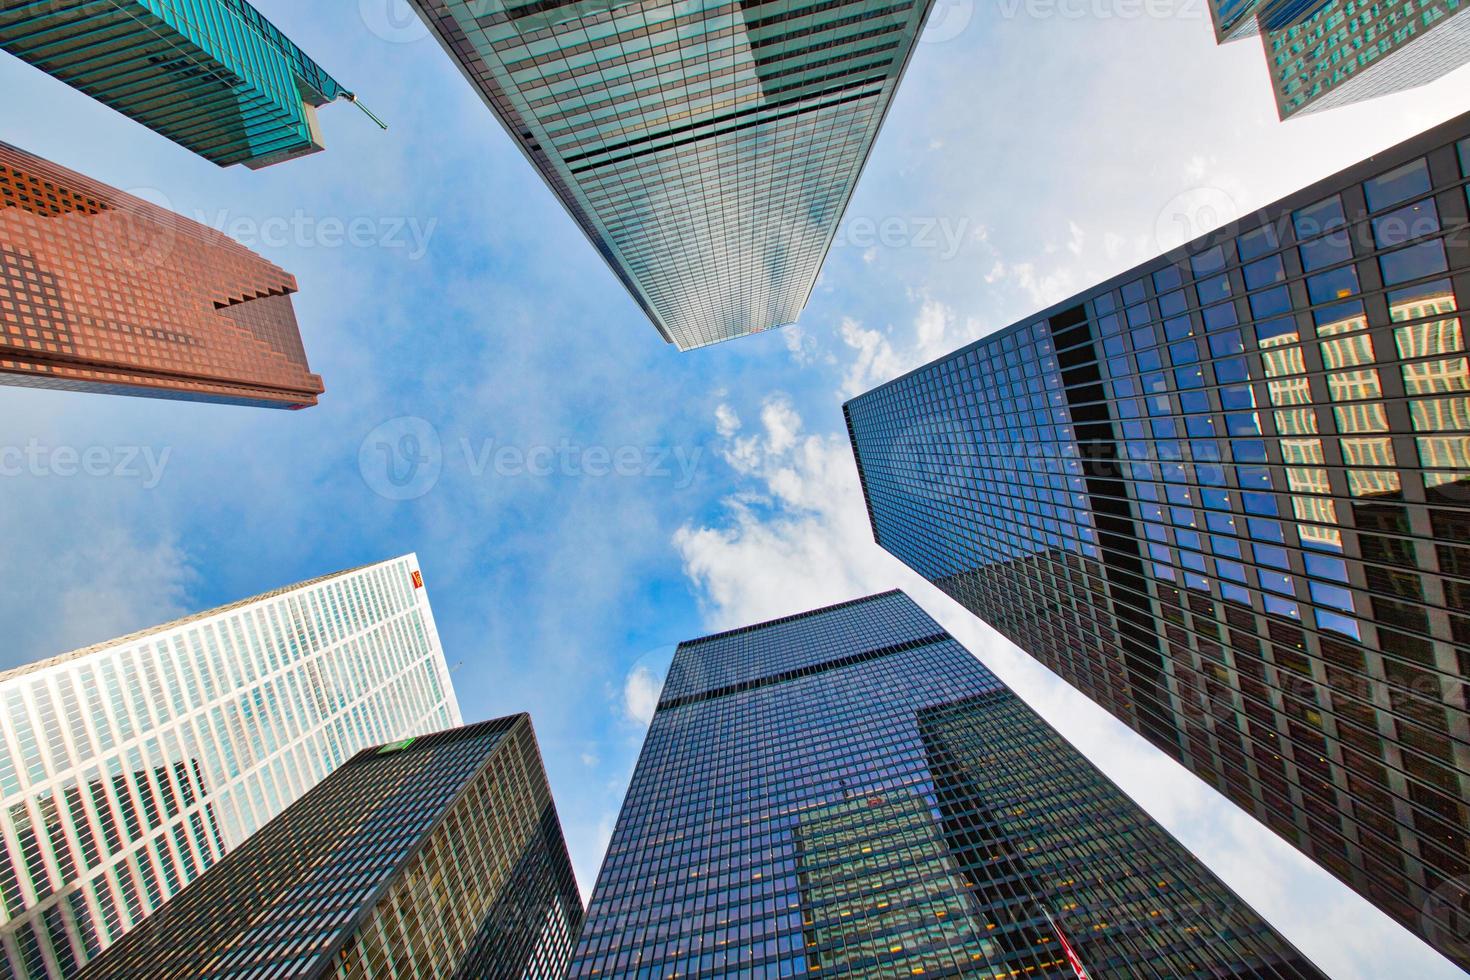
[439,856]
[1328,53]
[130,767]
[850,793]
[1227,495]
[211,75]
[708,150]
[106,293]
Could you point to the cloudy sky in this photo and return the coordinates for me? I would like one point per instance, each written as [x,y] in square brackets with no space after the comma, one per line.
[600,496]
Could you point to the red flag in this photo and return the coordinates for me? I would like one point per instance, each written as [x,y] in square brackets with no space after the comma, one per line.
[1072,958]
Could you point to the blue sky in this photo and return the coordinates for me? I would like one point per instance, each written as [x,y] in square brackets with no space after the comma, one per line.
[1036,147]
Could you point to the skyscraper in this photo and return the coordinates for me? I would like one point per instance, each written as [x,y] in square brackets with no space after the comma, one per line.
[130,767]
[849,793]
[212,75]
[1227,495]
[708,151]
[1328,53]
[101,291]
[440,856]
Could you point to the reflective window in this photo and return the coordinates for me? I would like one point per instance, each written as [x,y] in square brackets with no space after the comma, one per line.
[1257,243]
[1337,284]
[1406,224]
[1414,262]
[1264,273]
[1167,279]
[1319,218]
[1398,185]
[1322,252]
[1208,262]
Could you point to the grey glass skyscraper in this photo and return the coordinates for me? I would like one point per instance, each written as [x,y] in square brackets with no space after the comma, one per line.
[438,856]
[849,793]
[708,150]
[1227,495]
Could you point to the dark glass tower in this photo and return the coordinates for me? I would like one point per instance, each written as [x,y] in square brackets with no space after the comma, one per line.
[849,793]
[707,150]
[1227,496]
[438,856]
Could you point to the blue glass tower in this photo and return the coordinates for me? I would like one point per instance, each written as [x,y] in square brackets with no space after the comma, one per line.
[1227,495]
[849,793]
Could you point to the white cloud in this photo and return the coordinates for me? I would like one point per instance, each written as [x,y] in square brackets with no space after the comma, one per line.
[640,694]
[727,422]
[936,330]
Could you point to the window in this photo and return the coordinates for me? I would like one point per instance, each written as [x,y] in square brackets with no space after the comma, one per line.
[1337,284]
[1208,263]
[1211,290]
[1264,273]
[1167,279]
[1325,251]
[1406,224]
[1272,302]
[1414,262]
[1399,185]
[1256,243]
[1318,218]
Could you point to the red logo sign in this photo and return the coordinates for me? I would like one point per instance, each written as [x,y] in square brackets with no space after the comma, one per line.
[418,580]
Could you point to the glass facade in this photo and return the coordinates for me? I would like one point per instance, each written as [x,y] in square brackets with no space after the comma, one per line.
[708,150]
[105,293]
[1227,496]
[212,75]
[440,856]
[850,793]
[1328,53]
[129,768]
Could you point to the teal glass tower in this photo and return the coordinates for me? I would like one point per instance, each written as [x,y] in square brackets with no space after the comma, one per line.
[707,149]
[1226,495]
[848,793]
[212,75]
[1328,53]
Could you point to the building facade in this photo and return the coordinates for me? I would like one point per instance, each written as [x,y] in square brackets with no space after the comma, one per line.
[850,793]
[103,292]
[707,150]
[1227,496]
[129,768]
[212,75]
[439,856]
[1328,53]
